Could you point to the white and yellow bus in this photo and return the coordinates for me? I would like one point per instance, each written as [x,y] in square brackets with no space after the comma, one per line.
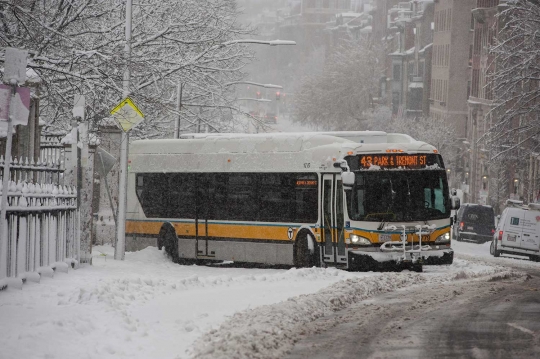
[355,200]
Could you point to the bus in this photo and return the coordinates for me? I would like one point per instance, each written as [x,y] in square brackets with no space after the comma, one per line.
[357,200]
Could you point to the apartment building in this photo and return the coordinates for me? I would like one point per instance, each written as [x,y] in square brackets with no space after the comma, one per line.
[450,72]
[450,62]
[484,26]
[409,64]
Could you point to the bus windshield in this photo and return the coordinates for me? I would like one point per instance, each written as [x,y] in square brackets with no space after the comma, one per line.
[395,196]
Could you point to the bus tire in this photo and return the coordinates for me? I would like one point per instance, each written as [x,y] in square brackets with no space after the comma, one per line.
[169,240]
[303,257]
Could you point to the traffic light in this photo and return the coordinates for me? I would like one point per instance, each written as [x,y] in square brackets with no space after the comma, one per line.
[278,95]
[258,95]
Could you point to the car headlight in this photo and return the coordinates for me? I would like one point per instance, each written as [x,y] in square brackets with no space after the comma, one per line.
[358,240]
[443,238]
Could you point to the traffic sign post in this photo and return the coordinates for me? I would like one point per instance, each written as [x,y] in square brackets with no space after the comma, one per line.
[127,115]
[13,111]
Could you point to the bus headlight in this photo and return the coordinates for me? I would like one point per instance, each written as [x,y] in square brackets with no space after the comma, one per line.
[358,240]
[444,238]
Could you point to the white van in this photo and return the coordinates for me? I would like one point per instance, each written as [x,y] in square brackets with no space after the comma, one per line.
[518,232]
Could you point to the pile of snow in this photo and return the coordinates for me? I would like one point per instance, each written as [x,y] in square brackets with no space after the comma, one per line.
[270,331]
[142,307]
[148,307]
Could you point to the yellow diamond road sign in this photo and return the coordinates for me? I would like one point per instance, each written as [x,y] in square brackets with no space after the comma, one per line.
[127,115]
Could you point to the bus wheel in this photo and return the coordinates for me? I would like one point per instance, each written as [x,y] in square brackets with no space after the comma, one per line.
[303,257]
[169,240]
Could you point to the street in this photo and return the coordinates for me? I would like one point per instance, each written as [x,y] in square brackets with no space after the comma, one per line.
[464,319]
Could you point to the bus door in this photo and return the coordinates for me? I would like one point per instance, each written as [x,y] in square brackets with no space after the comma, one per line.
[202,206]
[333,231]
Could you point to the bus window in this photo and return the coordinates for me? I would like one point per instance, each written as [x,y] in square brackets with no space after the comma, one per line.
[304,198]
[275,196]
[399,196]
[217,196]
[181,195]
[241,197]
[152,191]
[433,195]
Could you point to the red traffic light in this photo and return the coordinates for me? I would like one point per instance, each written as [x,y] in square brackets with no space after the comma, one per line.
[258,95]
[278,95]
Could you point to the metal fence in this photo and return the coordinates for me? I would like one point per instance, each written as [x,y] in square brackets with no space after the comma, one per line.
[41,234]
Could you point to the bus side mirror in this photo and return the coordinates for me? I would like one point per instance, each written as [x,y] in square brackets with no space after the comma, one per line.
[455,202]
[348,178]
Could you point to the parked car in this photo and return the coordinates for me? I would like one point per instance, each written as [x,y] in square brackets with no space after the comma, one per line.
[518,232]
[474,223]
[271,118]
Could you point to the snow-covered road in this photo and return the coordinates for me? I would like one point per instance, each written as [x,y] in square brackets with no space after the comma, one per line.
[149,307]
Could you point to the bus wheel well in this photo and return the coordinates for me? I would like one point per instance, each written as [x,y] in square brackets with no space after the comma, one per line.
[167,238]
[305,252]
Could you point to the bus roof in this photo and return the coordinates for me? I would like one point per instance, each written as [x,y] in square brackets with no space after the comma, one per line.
[356,136]
[263,152]
[370,141]
[236,143]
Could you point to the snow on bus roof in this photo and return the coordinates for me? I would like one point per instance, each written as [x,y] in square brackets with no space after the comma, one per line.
[277,142]
[237,143]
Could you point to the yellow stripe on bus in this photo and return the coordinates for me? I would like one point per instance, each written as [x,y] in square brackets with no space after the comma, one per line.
[243,231]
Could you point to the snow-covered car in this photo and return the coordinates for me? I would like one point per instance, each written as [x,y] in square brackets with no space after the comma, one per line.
[474,223]
[518,232]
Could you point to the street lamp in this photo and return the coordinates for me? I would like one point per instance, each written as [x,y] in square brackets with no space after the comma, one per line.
[268,86]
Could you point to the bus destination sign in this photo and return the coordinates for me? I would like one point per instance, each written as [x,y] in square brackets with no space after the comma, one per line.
[392,160]
[304,182]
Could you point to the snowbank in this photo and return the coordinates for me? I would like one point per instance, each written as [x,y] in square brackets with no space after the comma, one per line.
[148,307]
[271,331]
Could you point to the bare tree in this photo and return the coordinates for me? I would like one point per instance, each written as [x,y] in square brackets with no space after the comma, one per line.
[77,47]
[339,98]
[516,80]
[499,184]
[435,131]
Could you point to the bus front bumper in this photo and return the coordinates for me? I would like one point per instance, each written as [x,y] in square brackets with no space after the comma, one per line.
[377,259]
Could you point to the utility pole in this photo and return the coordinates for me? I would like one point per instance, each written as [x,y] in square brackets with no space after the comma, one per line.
[199,120]
[178,108]
[120,246]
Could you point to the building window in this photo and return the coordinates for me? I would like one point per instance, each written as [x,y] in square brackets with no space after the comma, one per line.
[477,41]
[397,72]
[475,82]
